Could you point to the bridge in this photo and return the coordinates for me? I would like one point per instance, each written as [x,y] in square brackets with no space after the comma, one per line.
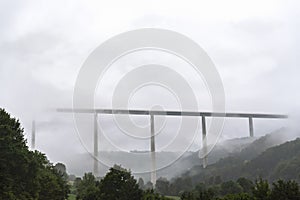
[153,113]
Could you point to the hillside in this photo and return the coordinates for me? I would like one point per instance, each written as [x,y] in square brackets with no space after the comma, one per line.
[139,161]
[277,162]
[282,162]
[229,159]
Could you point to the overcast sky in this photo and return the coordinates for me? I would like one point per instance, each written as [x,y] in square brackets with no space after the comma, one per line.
[254,45]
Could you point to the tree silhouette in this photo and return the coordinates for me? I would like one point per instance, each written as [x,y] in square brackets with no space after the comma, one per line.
[25,174]
[285,190]
[261,190]
[87,187]
[119,184]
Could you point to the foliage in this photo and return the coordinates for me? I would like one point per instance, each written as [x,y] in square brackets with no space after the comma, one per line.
[151,195]
[118,183]
[141,183]
[162,186]
[246,184]
[52,184]
[25,174]
[187,196]
[230,187]
[285,190]
[260,159]
[180,184]
[62,170]
[87,187]
[240,196]
[261,190]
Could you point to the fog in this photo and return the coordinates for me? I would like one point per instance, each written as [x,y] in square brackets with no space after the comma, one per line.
[254,46]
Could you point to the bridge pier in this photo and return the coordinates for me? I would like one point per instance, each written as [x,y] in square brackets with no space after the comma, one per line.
[152,113]
[251,127]
[153,156]
[96,172]
[204,141]
[33,135]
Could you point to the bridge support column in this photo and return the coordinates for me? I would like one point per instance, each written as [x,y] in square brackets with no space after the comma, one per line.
[204,142]
[153,156]
[96,144]
[33,135]
[251,127]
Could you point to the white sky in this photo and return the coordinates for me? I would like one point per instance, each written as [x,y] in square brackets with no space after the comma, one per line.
[254,45]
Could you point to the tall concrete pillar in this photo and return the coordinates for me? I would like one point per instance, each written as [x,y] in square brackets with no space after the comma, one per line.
[204,142]
[33,135]
[96,173]
[153,156]
[251,127]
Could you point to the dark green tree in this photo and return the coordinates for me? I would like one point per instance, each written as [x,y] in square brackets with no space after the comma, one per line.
[241,196]
[181,184]
[151,195]
[87,187]
[77,182]
[52,184]
[119,184]
[23,172]
[187,195]
[285,190]
[148,186]
[218,180]
[206,195]
[230,187]
[246,184]
[141,183]
[162,186]
[261,190]
[61,168]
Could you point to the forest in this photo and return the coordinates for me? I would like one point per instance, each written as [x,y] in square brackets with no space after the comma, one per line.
[271,174]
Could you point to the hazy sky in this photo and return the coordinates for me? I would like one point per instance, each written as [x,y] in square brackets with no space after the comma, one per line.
[254,45]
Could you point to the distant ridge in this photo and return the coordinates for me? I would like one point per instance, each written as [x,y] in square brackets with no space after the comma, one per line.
[267,157]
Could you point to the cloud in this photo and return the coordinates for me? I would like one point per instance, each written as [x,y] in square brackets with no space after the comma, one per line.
[254,44]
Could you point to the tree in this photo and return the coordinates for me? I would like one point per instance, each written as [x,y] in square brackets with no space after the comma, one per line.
[52,185]
[246,184]
[151,195]
[285,190]
[77,182]
[261,190]
[230,187]
[118,183]
[181,184]
[241,196]
[218,180]
[141,183]
[14,160]
[162,186]
[148,186]
[23,172]
[206,194]
[201,192]
[71,177]
[61,169]
[87,187]
[187,196]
